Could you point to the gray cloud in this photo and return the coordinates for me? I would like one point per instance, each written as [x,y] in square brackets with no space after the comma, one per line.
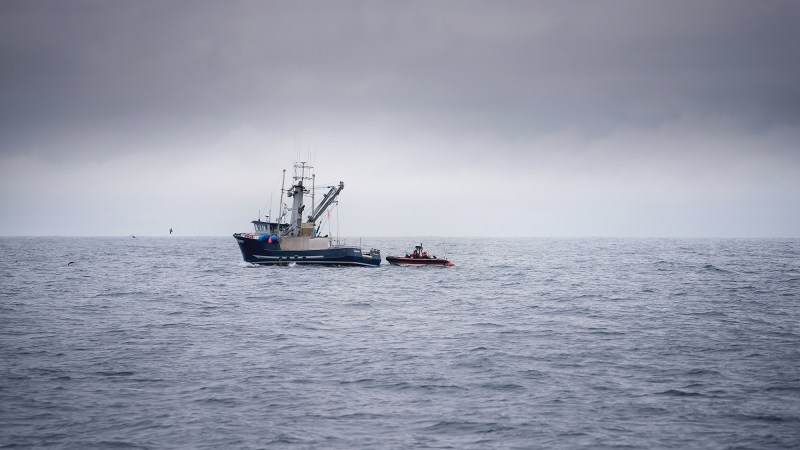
[591,88]
[519,67]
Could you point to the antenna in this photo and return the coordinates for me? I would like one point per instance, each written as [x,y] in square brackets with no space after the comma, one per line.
[313,180]
[280,207]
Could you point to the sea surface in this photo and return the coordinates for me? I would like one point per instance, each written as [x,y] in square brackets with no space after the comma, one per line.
[160,342]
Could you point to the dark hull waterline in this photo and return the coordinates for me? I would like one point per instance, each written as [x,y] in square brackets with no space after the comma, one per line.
[263,252]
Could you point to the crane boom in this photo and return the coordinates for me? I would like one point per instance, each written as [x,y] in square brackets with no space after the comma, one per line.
[326,202]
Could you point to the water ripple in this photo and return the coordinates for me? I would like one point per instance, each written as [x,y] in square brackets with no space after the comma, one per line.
[548,343]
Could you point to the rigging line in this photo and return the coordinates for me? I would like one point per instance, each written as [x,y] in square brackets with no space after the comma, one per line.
[269,204]
[330,235]
[327,183]
[325,217]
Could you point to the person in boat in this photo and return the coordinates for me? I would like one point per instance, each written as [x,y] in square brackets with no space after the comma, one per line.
[414,254]
[424,254]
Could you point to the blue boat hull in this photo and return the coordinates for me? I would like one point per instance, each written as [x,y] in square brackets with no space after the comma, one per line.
[263,252]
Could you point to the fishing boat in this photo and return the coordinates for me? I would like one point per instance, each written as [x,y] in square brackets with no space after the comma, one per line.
[297,241]
[419,257]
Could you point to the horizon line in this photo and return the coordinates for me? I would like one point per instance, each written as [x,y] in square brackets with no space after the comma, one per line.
[402,236]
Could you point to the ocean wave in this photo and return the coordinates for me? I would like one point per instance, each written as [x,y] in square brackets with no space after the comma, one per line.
[596,346]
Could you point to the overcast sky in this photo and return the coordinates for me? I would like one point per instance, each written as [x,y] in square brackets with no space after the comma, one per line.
[605,118]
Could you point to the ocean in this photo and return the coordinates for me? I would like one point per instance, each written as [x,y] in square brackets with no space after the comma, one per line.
[175,342]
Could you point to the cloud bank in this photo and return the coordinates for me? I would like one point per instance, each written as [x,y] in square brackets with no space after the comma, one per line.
[617,118]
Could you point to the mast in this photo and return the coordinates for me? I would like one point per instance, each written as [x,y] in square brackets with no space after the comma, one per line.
[280,206]
[296,192]
[313,181]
